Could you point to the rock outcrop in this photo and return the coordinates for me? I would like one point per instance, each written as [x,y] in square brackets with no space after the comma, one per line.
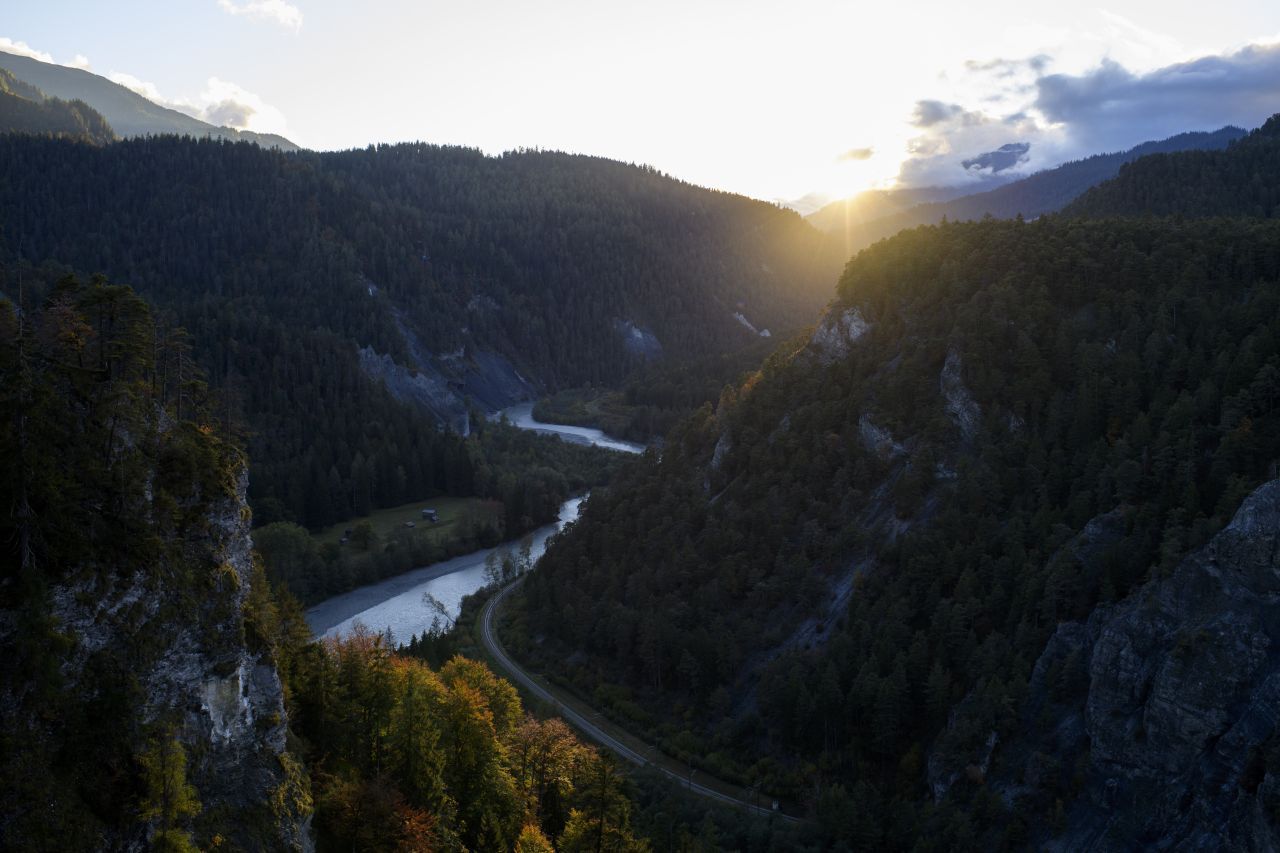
[223,701]
[961,407]
[837,331]
[639,341]
[1176,721]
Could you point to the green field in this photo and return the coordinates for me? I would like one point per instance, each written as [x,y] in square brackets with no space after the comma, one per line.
[452,512]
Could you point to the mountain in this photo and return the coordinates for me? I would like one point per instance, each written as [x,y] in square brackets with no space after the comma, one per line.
[25,109]
[870,205]
[353,302]
[1036,195]
[995,540]
[128,113]
[1243,180]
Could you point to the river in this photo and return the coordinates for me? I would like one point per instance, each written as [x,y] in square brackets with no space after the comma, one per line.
[398,604]
[522,416]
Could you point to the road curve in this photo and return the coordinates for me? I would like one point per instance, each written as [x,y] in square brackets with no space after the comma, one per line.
[661,763]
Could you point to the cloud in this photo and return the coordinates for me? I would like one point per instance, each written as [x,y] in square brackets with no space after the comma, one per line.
[281,12]
[1005,68]
[141,87]
[929,113]
[932,113]
[1104,106]
[229,113]
[856,154]
[221,103]
[1107,107]
[1005,157]
[21,48]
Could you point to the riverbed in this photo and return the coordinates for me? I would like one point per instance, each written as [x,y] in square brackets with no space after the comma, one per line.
[522,416]
[400,605]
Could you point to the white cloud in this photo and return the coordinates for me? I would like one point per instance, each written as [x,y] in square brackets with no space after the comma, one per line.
[142,87]
[225,103]
[283,13]
[21,48]
[1051,116]
[221,103]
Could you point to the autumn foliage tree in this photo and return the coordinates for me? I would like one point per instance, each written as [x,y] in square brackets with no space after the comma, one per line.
[449,758]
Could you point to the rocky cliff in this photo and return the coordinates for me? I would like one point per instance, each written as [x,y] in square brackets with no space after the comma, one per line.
[198,679]
[1158,714]
[140,703]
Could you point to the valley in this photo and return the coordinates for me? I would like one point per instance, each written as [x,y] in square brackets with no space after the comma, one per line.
[525,497]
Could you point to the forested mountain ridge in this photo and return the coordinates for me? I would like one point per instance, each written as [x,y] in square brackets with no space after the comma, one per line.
[1035,195]
[844,578]
[25,109]
[1243,180]
[129,113]
[307,281]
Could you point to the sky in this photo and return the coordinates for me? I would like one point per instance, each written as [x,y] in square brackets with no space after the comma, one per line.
[777,100]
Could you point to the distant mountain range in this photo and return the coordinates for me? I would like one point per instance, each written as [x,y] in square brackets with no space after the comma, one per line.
[1243,180]
[128,113]
[25,109]
[874,215]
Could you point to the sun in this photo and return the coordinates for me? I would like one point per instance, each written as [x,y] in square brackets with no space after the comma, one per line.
[859,170]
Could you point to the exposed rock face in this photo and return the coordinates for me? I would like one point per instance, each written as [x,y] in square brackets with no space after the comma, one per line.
[877,439]
[961,407]
[838,331]
[1179,717]
[446,385]
[428,392]
[638,340]
[722,448]
[227,701]
[749,326]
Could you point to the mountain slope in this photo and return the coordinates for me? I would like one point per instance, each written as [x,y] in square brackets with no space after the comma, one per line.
[1243,180]
[1036,195]
[129,113]
[870,205]
[25,109]
[354,301]
[854,562]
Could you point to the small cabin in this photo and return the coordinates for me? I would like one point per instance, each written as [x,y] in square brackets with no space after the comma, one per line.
[430,515]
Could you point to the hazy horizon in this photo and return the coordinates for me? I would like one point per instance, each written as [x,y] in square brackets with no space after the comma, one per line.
[819,100]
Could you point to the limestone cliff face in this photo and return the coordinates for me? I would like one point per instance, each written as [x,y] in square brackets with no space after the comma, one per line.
[1171,729]
[224,701]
